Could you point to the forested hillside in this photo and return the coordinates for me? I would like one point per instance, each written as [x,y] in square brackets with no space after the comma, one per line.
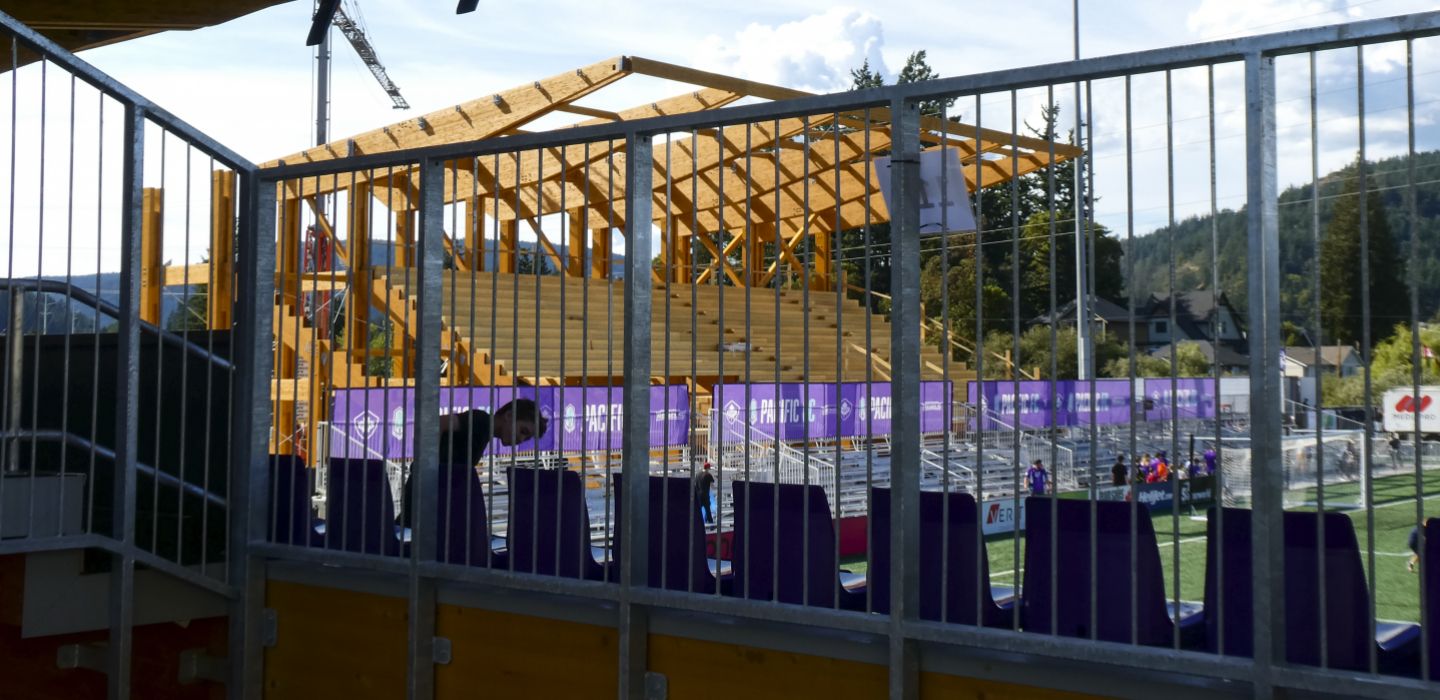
[1387,178]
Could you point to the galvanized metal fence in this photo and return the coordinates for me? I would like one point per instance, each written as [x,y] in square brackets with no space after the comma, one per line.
[384,301]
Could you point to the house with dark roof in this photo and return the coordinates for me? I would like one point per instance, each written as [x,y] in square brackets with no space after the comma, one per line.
[1209,322]
[1301,361]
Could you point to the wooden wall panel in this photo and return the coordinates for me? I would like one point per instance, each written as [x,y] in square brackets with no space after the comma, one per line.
[714,671]
[517,656]
[935,686]
[333,643]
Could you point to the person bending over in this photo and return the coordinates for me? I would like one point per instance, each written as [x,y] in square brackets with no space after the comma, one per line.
[465,436]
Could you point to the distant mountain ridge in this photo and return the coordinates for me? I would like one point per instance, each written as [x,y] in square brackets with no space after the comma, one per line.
[1193,255]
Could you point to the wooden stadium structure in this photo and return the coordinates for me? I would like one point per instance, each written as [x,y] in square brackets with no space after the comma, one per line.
[504,195]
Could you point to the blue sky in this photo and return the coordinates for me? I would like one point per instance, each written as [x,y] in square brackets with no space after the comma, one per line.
[248,83]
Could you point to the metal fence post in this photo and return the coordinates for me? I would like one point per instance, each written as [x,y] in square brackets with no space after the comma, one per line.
[635,438]
[127,405]
[1265,428]
[252,359]
[905,392]
[425,471]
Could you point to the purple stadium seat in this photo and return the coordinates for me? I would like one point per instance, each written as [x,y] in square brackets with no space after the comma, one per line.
[677,536]
[359,511]
[461,522]
[755,534]
[1115,600]
[535,539]
[958,555]
[1347,601]
[289,514]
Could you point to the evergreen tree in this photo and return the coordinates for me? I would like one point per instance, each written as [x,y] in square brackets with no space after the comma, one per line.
[917,70]
[863,77]
[1341,301]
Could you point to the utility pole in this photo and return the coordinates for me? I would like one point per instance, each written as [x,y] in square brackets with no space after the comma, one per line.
[1082,298]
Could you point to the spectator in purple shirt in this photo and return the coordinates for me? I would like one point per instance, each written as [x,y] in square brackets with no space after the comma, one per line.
[1037,480]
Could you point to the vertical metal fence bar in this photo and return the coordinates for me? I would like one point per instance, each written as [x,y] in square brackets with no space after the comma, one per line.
[1219,473]
[868,304]
[1136,468]
[1427,634]
[981,553]
[905,402]
[944,364]
[836,273]
[809,260]
[1174,358]
[425,470]
[250,417]
[122,574]
[1054,365]
[1368,349]
[1267,533]
[1323,598]
[635,439]
[1087,139]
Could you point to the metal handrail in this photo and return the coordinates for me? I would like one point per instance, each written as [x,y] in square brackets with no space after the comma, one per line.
[85,297]
[78,442]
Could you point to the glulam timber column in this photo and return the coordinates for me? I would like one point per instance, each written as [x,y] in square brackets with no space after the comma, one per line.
[152,265]
[287,267]
[222,250]
[506,261]
[357,306]
[475,233]
[575,248]
[600,254]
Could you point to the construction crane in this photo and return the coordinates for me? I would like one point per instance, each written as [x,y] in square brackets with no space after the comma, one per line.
[356,36]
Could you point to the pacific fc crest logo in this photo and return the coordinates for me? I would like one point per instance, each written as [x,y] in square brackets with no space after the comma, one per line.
[569,417]
[397,423]
[365,423]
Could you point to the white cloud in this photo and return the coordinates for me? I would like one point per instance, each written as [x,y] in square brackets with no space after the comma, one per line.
[1225,19]
[814,54]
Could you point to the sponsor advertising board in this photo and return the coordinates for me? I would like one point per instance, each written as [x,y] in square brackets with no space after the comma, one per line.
[1401,405]
[1196,492]
[1000,516]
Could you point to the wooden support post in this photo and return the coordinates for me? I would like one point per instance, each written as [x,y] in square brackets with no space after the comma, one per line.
[357,238]
[222,250]
[152,266]
[287,249]
[684,270]
[822,265]
[754,258]
[506,261]
[575,248]
[405,238]
[600,254]
[475,233]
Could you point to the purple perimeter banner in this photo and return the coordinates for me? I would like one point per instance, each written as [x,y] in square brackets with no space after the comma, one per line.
[800,415]
[379,423]
[1194,399]
[1072,402]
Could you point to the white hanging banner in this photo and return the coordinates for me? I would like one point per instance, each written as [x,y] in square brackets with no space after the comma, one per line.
[940,208]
